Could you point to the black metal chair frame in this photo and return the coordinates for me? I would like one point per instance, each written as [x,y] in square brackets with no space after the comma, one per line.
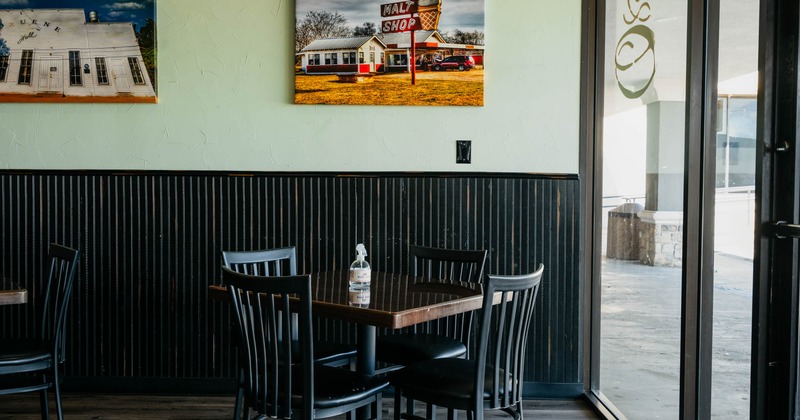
[275,384]
[445,265]
[265,262]
[271,263]
[498,366]
[28,365]
[448,265]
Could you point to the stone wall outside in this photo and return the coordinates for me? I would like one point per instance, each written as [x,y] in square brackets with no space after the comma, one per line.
[661,244]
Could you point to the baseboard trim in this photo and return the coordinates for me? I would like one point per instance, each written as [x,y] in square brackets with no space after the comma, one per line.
[548,390]
[221,386]
[190,386]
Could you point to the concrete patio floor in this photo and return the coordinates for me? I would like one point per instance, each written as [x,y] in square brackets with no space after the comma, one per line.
[640,331]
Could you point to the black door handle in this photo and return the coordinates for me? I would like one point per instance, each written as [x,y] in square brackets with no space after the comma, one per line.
[783,230]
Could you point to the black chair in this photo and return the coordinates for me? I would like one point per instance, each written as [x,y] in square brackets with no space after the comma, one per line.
[37,364]
[493,378]
[446,337]
[279,262]
[279,382]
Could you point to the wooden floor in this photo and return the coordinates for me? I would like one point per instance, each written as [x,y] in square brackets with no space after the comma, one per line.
[135,407]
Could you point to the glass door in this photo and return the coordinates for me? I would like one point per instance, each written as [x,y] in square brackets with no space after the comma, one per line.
[644,132]
[719,337]
[655,318]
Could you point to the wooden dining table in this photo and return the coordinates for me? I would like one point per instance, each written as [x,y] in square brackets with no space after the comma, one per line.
[13,296]
[395,301]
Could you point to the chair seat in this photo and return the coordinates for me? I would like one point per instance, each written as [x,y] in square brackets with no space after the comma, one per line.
[24,382]
[441,380]
[326,351]
[407,349]
[336,387]
[17,352]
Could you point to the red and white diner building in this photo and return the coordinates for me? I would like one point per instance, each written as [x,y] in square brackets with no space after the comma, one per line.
[364,54]
[380,53]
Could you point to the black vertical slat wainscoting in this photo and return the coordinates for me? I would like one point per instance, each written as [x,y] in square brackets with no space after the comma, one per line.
[150,245]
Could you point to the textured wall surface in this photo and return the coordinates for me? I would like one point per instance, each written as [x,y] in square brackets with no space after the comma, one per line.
[226,90]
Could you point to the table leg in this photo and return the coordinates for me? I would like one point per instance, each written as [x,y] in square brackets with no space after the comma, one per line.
[365,360]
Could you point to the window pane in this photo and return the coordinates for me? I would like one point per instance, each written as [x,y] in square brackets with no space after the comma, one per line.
[75,78]
[734,215]
[25,67]
[643,148]
[3,67]
[102,71]
[136,71]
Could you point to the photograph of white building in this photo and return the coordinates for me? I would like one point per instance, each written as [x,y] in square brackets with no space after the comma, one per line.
[364,54]
[72,55]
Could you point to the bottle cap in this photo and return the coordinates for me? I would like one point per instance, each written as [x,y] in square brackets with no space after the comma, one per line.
[361,251]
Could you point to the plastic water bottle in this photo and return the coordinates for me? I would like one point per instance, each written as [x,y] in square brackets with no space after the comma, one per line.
[360,273]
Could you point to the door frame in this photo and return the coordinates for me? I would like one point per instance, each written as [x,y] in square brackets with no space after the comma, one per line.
[774,390]
[120,63]
[45,62]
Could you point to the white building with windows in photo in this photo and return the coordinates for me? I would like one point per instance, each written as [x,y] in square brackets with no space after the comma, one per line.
[364,54]
[56,54]
[380,53]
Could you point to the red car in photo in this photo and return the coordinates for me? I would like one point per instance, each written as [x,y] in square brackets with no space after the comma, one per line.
[459,62]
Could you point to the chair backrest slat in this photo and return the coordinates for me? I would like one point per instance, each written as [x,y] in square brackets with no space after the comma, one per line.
[62,265]
[449,265]
[268,262]
[502,339]
[270,370]
[265,263]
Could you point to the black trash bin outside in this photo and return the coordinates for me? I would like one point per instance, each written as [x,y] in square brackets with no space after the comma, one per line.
[623,232]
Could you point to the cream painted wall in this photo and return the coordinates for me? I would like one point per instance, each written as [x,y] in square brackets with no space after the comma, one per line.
[226,91]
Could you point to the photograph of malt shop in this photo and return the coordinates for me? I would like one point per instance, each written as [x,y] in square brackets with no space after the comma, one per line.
[341,40]
[351,53]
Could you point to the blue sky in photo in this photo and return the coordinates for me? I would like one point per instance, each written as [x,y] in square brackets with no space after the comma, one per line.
[135,11]
[466,15]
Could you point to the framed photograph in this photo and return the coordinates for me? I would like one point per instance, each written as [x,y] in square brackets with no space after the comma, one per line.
[414,52]
[78,51]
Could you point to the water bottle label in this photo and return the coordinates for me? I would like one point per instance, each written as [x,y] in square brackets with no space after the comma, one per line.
[360,276]
[358,297]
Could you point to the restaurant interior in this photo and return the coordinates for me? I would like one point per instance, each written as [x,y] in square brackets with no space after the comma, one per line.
[142,205]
